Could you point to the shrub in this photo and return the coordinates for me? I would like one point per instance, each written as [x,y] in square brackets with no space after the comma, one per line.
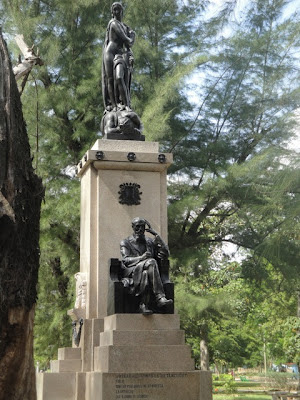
[224,382]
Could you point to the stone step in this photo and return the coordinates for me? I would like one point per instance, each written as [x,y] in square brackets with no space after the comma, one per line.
[90,338]
[140,338]
[143,359]
[56,386]
[80,386]
[139,322]
[65,365]
[69,353]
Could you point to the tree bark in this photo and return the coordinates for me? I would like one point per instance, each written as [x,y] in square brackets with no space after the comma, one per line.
[204,357]
[21,193]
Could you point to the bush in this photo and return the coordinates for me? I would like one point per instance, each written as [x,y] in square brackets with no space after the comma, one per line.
[224,382]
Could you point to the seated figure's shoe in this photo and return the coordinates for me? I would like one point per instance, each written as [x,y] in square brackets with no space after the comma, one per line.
[143,309]
[163,302]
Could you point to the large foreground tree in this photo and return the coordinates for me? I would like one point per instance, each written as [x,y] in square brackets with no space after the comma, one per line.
[21,193]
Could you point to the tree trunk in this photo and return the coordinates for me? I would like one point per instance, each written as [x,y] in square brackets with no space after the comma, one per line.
[204,355]
[204,365]
[21,193]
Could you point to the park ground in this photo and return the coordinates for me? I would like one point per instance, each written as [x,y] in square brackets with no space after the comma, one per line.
[241,397]
[225,387]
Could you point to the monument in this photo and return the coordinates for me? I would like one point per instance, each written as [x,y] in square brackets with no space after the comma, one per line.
[127,341]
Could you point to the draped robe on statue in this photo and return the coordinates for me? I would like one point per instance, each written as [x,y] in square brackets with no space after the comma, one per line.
[133,269]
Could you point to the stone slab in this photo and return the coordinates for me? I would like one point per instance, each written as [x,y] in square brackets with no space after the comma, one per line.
[65,365]
[97,326]
[140,338]
[139,322]
[80,386]
[127,166]
[123,145]
[143,358]
[90,338]
[115,152]
[56,386]
[117,160]
[69,353]
[194,385]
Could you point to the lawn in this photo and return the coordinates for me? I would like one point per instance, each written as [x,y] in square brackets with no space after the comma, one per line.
[238,396]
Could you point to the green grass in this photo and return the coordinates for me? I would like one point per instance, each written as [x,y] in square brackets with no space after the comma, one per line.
[247,384]
[239,384]
[241,397]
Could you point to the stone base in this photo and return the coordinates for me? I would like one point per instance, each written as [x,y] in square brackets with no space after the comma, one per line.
[56,386]
[127,356]
[194,385]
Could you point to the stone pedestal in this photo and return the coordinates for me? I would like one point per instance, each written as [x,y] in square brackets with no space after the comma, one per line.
[105,221]
[151,386]
[122,356]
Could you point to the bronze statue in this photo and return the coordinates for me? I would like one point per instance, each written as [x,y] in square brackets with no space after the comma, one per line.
[140,268]
[119,120]
[117,62]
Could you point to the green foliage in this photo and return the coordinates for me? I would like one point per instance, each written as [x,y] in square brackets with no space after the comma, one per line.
[224,382]
[233,179]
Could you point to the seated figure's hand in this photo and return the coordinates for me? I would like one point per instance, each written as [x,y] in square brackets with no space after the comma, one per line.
[146,255]
[130,42]
[152,231]
[132,36]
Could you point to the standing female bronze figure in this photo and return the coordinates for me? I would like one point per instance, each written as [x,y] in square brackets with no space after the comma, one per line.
[117,62]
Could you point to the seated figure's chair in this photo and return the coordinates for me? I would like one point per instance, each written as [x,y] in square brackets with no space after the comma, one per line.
[120,301]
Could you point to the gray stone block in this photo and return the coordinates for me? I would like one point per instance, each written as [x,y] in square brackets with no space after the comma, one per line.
[69,353]
[140,338]
[143,359]
[66,365]
[151,386]
[139,322]
[56,386]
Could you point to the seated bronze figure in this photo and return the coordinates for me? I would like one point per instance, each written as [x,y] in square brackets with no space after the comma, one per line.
[139,265]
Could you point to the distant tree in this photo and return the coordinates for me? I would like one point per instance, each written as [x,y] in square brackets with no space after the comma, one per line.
[233,180]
